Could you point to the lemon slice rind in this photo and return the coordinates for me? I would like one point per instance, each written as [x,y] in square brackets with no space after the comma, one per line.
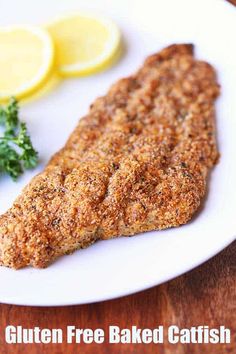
[44,70]
[111,48]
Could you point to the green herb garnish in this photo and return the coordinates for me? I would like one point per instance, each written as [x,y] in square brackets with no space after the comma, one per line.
[16,149]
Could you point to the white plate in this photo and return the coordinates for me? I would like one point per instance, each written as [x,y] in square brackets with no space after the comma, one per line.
[114,268]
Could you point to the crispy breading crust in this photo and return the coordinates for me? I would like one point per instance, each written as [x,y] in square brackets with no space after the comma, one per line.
[137,162]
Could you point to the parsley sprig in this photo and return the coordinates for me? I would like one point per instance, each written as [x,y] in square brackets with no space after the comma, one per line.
[16,149]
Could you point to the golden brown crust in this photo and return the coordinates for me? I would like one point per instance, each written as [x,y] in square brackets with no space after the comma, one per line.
[137,162]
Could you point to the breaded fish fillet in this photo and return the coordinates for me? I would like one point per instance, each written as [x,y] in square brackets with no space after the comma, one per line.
[137,162]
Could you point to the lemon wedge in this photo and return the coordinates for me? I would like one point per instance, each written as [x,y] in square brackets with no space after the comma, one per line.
[84,43]
[26,60]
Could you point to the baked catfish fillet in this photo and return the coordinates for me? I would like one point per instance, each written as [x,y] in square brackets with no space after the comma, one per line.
[137,162]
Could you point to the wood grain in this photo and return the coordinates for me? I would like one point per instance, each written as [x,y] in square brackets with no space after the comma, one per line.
[233,2]
[204,296]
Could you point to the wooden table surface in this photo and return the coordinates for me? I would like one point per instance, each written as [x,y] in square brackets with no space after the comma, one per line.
[204,296]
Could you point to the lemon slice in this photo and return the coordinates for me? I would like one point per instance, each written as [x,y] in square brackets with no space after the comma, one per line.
[84,43]
[26,59]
